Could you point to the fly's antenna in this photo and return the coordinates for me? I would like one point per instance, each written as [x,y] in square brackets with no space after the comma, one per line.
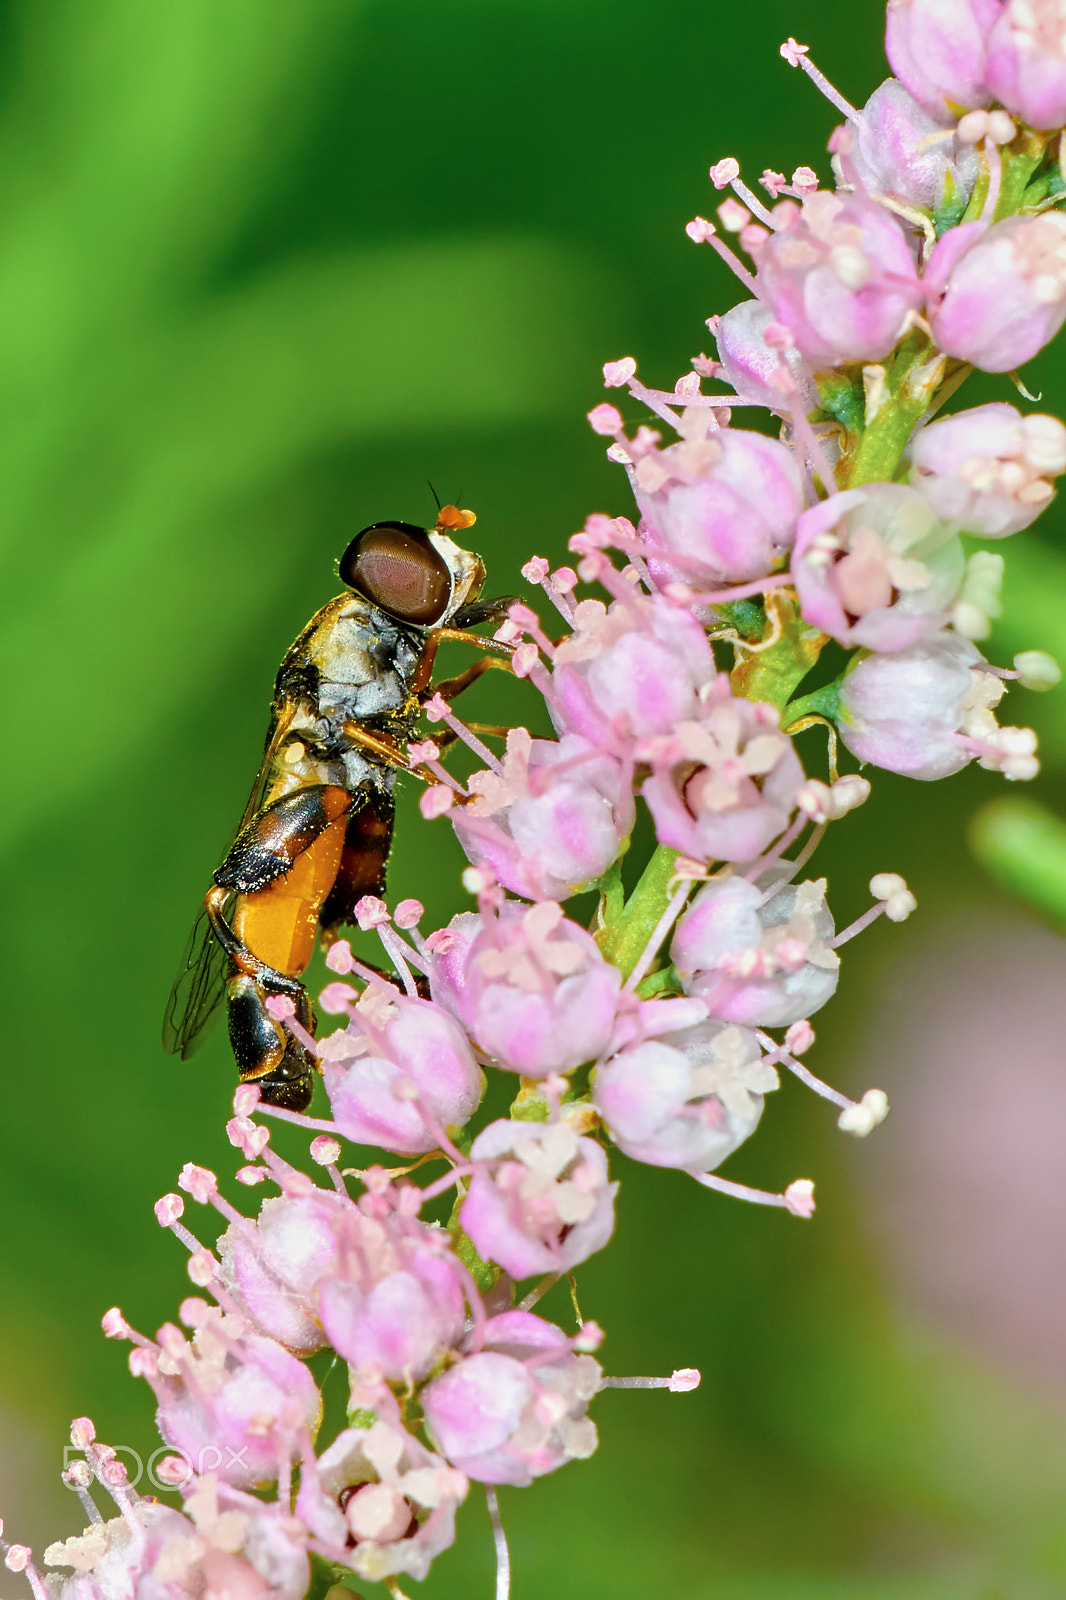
[436,496]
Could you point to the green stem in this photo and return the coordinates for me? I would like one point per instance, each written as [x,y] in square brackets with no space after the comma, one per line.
[911,382]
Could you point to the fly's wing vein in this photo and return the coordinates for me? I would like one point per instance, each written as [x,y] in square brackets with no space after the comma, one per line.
[197,991]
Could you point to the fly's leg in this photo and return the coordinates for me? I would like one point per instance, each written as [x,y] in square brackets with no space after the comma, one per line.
[265,1051]
[461,636]
[293,837]
[451,687]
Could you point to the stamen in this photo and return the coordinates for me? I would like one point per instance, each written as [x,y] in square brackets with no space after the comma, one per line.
[857,926]
[797,1198]
[790,835]
[538,1291]
[503,1555]
[437,711]
[681,1381]
[779,1053]
[740,591]
[79,1477]
[661,929]
[796,56]
[995,181]
[700,231]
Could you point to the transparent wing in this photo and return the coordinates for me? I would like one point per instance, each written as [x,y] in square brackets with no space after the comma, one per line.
[197,993]
[201,980]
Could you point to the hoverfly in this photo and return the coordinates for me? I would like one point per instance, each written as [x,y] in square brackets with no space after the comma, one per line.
[316,831]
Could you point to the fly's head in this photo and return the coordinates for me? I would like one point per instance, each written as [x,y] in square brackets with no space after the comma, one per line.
[418,575]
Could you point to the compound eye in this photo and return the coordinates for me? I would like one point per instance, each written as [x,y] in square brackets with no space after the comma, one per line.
[394,565]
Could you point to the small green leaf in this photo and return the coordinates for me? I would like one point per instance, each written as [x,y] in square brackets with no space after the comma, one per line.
[748,617]
[665,981]
[622,940]
[327,1575]
[359,1417]
[773,672]
[844,398]
[823,702]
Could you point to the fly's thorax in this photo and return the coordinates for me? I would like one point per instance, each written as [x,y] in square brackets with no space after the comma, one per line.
[353,662]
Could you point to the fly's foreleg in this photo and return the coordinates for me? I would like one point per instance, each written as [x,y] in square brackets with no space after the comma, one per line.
[451,687]
[460,636]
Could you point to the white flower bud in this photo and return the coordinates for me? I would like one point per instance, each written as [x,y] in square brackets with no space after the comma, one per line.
[849,792]
[866,1115]
[1037,670]
[892,889]
[979,600]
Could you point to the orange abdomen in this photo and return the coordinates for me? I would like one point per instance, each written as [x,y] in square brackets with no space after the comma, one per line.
[279,924]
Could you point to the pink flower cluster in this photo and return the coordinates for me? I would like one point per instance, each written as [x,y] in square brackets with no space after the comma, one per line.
[687,659]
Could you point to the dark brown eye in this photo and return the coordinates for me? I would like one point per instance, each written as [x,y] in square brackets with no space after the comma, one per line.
[394,565]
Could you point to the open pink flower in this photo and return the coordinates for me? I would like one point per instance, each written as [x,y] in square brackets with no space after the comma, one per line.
[722,788]
[552,820]
[840,275]
[539,1201]
[687,1099]
[756,955]
[393,1301]
[380,1502]
[233,1403]
[723,502]
[876,567]
[989,470]
[224,1543]
[274,1266]
[928,711]
[399,1073]
[515,1409]
[533,989]
[629,670]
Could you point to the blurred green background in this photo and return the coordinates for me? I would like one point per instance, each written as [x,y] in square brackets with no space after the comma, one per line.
[265,268]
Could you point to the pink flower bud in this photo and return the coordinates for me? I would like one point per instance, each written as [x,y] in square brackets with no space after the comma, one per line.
[418,1064]
[938,49]
[896,152]
[749,363]
[553,819]
[1027,61]
[687,1099]
[725,503]
[392,1299]
[927,711]
[234,1405]
[533,990]
[733,951]
[841,276]
[988,470]
[541,1202]
[502,1416]
[876,567]
[724,787]
[1002,290]
[274,1267]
